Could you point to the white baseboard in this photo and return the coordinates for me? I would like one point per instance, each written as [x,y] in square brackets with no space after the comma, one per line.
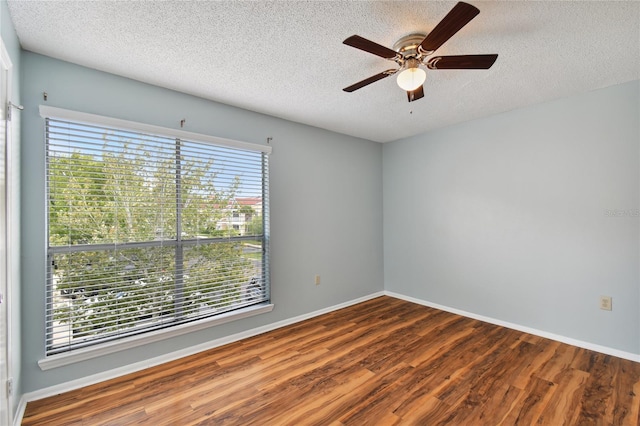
[17,416]
[138,366]
[563,339]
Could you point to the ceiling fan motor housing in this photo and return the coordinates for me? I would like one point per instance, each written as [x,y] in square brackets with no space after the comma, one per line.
[407,46]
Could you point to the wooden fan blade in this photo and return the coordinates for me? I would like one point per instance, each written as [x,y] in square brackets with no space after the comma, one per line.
[367,81]
[371,47]
[461,14]
[462,62]
[414,95]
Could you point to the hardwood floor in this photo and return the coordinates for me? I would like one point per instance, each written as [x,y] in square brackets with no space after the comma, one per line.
[381,362]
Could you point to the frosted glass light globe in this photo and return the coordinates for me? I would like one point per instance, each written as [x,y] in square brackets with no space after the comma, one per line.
[411,78]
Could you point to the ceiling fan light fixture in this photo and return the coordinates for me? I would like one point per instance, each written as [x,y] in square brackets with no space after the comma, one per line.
[411,77]
[415,49]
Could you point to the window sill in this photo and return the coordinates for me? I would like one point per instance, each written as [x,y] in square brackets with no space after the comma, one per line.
[84,354]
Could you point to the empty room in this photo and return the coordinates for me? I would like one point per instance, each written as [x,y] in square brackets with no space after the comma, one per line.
[320,212]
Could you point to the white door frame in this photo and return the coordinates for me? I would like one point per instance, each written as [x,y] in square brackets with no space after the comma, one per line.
[6,236]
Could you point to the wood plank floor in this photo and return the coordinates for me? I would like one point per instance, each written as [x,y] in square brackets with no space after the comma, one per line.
[381,362]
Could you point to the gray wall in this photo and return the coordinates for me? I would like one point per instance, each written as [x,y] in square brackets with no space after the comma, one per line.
[11,43]
[509,216]
[326,203]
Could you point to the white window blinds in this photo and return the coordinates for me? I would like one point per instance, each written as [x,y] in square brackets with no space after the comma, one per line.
[148,231]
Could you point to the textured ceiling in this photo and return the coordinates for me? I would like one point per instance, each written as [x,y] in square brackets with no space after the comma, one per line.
[287,59]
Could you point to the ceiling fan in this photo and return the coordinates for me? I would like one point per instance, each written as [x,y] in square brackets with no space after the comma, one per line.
[416,49]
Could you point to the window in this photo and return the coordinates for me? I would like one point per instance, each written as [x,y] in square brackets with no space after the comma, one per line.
[138,229]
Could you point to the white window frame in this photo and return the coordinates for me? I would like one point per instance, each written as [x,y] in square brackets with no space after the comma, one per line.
[81,354]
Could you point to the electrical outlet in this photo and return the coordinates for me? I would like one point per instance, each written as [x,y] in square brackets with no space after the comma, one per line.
[317,279]
[605,303]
